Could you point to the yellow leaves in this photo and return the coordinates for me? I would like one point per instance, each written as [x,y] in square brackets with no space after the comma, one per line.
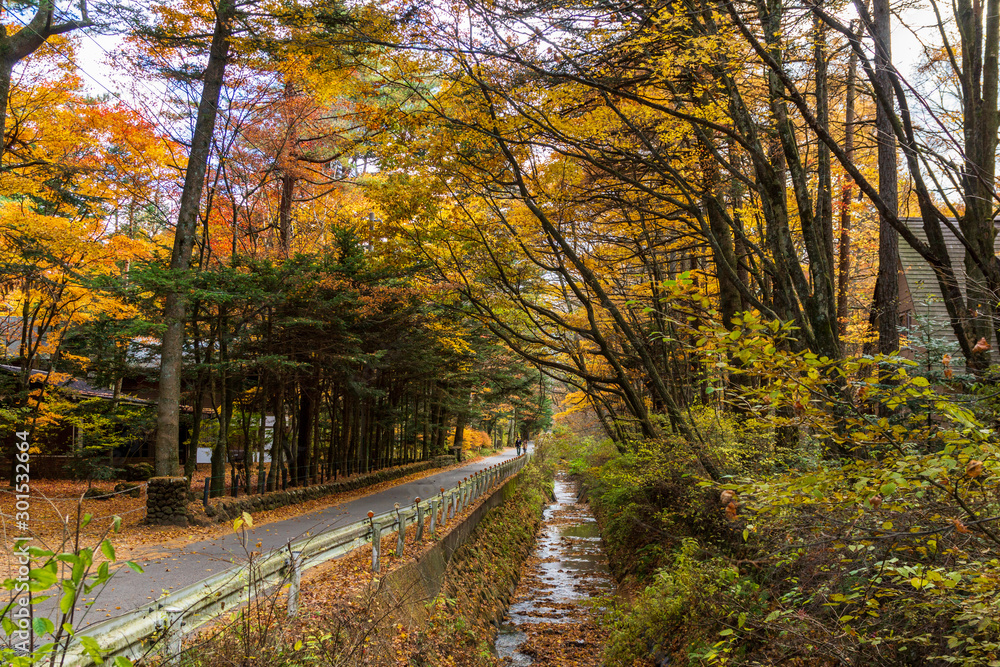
[240,521]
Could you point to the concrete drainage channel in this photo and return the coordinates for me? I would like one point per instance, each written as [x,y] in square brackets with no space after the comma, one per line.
[160,628]
[551,619]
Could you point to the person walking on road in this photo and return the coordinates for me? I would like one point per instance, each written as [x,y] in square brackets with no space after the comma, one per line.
[517,445]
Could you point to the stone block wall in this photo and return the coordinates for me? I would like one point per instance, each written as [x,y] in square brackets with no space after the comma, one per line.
[444,460]
[166,501]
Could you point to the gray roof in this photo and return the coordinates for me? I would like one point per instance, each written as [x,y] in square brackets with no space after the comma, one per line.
[78,386]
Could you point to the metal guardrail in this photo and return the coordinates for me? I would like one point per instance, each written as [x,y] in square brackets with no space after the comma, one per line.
[135,634]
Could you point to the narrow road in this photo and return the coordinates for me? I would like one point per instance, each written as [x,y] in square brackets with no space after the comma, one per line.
[196,561]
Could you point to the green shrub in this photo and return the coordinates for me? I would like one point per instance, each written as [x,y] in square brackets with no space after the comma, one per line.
[129,489]
[138,472]
[95,493]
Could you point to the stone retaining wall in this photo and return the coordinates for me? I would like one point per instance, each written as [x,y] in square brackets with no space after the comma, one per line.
[478,562]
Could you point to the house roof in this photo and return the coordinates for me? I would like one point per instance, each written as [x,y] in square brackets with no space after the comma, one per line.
[78,386]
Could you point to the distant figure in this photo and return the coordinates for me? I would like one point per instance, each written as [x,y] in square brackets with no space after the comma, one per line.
[517,445]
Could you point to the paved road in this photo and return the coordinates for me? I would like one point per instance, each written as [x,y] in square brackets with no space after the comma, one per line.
[192,563]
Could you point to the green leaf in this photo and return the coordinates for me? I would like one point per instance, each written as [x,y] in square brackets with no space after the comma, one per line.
[68,598]
[135,567]
[93,649]
[887,489]
[108,550]
[726,632]
[43,577]
[42,625]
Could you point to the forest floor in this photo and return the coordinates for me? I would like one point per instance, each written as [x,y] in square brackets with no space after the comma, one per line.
[56,505]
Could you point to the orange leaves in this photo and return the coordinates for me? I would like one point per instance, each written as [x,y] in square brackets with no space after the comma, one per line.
[730,501]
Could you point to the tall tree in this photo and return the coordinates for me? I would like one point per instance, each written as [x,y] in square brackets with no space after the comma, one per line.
[171,356]
[886,299]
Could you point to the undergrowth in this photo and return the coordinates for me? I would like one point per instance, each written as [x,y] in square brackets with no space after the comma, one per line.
[803,562]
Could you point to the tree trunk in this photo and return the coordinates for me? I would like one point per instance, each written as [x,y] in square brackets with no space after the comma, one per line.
[285,213]
[305,426]
[460,421]
[886,301]
[171,354]
[846,193]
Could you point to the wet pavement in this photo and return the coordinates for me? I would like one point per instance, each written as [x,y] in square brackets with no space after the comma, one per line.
[555,615]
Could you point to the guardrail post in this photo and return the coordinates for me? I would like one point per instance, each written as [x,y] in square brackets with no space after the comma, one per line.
[208,489]
[173,635]
[376,541]
[295,577]
[420,519]
[445,507]
[433,506]
[400,533]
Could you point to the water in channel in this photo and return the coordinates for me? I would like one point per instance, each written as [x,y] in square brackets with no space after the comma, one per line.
[554,617]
